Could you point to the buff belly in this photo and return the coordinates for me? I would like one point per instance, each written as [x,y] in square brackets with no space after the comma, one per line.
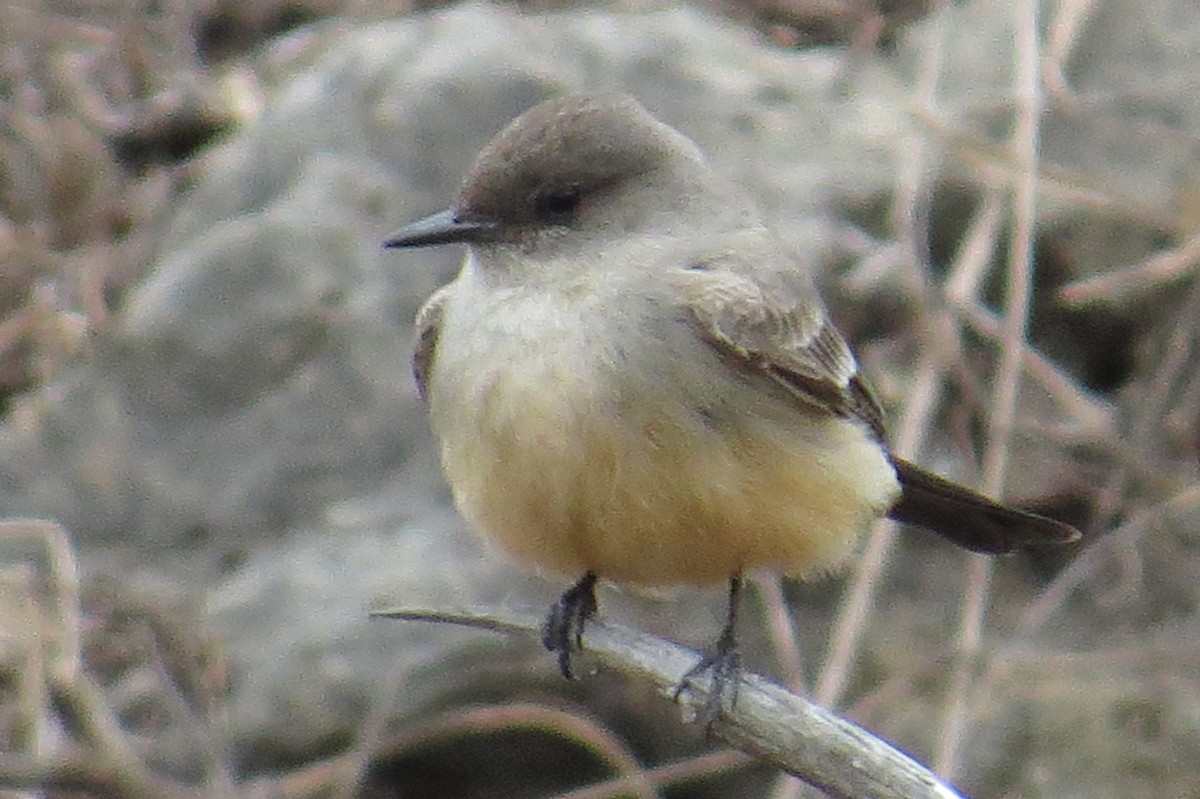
[648,491]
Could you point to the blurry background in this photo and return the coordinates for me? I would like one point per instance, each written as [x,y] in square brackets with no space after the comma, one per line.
[205,392]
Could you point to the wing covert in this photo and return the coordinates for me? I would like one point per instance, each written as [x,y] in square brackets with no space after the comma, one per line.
[783,332]
[428,325]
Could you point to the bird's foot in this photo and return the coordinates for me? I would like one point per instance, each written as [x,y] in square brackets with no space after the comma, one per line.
[724,669]
[562,632]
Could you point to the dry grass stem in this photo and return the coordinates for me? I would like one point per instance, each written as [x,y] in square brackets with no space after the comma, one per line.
[782,632]
[371,735]
[1123,537]
[995,166]
[1151,406]
[851,618]
[974,257]
[199,726]
[781,629]
[570,725]
[1094,418]
[1124,286]
[666,776]
[1069,19]
[1018,297]
[322,777]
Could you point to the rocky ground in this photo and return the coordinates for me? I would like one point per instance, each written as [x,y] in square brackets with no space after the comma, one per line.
[206,396]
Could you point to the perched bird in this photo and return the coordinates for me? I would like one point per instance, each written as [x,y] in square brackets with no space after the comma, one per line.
[631,379]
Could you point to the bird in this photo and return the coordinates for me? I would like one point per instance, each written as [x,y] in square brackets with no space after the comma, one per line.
[632,379]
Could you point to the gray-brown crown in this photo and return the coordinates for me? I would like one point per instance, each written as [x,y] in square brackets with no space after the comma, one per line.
[562,152]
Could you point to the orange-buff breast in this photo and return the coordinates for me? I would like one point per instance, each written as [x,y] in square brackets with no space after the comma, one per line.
[655,494]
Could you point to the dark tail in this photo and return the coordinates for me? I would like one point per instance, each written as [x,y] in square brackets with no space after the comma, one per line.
[969,519]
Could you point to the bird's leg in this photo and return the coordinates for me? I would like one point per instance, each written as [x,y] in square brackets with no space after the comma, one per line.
[723,664]
[562,632]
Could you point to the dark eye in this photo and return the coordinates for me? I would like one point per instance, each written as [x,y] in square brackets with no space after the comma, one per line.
[557,203]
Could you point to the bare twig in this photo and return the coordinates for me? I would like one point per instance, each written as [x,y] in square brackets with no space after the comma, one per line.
[794,734]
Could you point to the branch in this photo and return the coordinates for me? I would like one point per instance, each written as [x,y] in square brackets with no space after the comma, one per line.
[802,738]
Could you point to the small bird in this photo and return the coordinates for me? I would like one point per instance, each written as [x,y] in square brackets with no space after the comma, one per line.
[631,379]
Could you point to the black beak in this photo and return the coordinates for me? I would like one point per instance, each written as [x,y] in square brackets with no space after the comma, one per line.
[441,228]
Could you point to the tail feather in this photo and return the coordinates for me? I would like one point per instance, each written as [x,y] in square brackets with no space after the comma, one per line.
[969,519]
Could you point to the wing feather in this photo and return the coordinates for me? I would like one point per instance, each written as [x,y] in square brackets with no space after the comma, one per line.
[783,332]
[780,329]
[428,325]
